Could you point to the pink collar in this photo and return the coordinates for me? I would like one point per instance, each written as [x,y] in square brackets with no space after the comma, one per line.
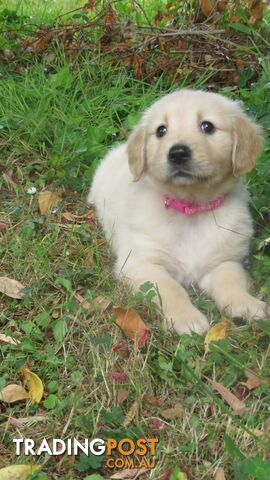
[189,208]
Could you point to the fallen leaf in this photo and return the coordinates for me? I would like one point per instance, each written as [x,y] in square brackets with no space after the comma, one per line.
[237,405]
[122,348]
[102,303]
[138,61]
[99,303]
[33,383]
[132,412]
[90,5]
[151,400]
[110,16]
[46,200]
[26,421]
[253,381]
[86,217]
[220,475]
[144,338]
[129,473]
[9,180]
[41,43]
[122,396]
[217,332]
[156,423]
[167,474]
[8,339]
[173,412]
[207,7]
[18,472]
[256,9]
[130,322]
[13,393]
[10,287]
[119,377]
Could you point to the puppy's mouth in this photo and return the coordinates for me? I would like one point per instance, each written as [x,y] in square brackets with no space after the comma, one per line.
[182,173]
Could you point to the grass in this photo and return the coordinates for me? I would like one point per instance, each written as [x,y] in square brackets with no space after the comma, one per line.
[56,125]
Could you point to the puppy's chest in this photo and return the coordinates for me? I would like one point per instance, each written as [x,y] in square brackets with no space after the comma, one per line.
[199,244]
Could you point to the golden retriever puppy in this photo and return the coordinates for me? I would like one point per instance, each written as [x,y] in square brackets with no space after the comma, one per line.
[173,206]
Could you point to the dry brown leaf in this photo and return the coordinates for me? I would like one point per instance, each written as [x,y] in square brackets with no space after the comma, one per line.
[132,412]
[110,16]
[130,322]
[207,7]
[8,179]
[122,348]
[13,393]
[119,377]
[253,381]
[99,303]
[217,332]
[12,288]
[8,339]
[121,395]
[173,412]
[220,475]
[41,43]
[129,473]
[84,303]
[46,200]
[138,61]
[90,5]
[153,401]
[26,421]
[237,405]
[102,303]
[86,217]
[256,9]
[155,423]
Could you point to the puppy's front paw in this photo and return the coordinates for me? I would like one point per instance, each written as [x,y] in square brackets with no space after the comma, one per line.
[250,309]
[189,320]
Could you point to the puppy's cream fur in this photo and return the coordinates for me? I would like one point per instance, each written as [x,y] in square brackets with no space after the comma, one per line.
[163,246]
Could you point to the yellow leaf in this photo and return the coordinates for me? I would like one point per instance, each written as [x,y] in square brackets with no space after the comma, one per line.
[34,384]
[10,287]
[18,472]
[46,200]
[217,332]
[12,393]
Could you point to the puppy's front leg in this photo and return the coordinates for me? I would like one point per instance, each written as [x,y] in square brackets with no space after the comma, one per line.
[176,305]
[227,285]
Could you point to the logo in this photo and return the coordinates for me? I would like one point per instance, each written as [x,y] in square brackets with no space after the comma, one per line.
[122,454]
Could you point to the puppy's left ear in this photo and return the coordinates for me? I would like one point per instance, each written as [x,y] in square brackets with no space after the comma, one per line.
[137,152]
[247,144]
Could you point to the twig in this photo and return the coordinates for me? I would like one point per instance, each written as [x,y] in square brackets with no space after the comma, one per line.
[192,32]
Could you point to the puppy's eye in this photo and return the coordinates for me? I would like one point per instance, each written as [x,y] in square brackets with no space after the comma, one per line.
[207,127]
[161,131]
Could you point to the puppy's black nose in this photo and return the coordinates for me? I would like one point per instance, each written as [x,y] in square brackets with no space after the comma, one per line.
[179,154]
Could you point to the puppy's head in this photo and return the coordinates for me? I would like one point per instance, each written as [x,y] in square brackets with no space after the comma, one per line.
[192,137]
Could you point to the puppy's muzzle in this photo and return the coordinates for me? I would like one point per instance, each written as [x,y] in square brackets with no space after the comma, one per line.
[179,154]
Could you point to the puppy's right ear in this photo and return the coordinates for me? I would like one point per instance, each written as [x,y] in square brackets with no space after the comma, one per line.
[137,152]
